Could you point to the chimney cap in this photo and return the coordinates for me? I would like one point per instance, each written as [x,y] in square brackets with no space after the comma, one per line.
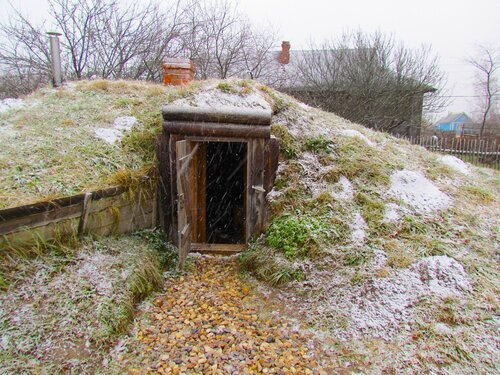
[53,33]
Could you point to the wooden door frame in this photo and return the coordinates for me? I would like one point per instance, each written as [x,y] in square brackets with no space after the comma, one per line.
[204,247]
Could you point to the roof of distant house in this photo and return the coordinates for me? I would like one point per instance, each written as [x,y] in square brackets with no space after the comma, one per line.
[453,116]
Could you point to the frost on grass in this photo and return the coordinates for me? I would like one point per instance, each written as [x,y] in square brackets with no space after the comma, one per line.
[456,164]
[10,103]
[121,126]
[53,317]
[392,212]
[417,192]
[358,229]
[382,307]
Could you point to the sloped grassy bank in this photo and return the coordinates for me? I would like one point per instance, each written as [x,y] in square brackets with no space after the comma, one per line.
[63,310]
[388,248]
[381,244]
[49,147]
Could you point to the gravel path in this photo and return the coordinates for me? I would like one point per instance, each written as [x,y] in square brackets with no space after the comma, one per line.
[207,322]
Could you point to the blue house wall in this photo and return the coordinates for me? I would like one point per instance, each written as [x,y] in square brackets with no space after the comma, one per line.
[455,125]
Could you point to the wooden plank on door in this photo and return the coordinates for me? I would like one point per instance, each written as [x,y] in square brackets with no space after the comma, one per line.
[256,193]
[185,152]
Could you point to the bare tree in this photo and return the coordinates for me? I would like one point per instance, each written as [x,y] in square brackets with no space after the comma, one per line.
[24,56]
[371,79]
[105,39]
[486,63]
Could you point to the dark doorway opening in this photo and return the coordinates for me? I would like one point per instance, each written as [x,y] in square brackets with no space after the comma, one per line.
[225,192]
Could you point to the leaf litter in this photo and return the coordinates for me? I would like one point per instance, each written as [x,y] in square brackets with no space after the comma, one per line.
[209,321]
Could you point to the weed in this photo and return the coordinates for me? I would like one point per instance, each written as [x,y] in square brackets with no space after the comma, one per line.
[398,256]
[3,282]
[356,159]
[246,87]
[156,239]
[97,85]
[278,103]
[372,208]
[437,170]
[331,174]
[356,256]
[126,102]
[296,236]
[359,277]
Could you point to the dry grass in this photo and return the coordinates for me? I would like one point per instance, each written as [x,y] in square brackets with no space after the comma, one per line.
[50,150]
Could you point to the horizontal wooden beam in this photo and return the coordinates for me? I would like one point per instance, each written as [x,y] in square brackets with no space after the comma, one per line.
[41,207]
[248,116]
[210,129]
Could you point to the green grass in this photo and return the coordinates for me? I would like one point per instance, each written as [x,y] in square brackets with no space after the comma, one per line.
[226,87]
[318,145]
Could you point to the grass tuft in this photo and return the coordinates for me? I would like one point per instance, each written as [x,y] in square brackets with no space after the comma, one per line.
[268,265]
[288,145]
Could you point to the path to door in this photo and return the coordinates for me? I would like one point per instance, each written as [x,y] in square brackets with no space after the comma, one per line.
[210,322]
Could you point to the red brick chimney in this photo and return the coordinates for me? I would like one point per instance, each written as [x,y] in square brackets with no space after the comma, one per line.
[285,52]
[178,71]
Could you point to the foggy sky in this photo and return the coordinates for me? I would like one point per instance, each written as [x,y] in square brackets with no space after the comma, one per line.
[452,28]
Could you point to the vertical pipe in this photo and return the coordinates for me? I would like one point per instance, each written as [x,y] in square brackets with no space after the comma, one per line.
[55,54]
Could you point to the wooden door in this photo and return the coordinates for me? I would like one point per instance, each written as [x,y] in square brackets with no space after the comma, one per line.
[185,151]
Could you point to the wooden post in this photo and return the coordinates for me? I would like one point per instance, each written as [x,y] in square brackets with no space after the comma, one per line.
[85,214]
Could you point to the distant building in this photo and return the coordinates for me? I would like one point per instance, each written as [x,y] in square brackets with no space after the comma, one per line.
[457,123]
[402,119]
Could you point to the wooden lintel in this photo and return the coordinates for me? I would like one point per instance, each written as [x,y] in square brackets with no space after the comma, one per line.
[250,116]
[210,129]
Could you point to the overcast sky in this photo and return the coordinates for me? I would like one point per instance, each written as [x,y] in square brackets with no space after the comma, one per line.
[451,27]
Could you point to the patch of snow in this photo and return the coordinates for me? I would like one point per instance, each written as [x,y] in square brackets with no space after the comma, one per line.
[108,135]
[379,259]
[417,191]
[392,212]
[383,305]
[304,106]
[10,103]
[456,164]
[442,329]
[442,275]
[215,98]
[121,126]
[94,268]
[347,191]
[355,133]
[358,229]
[125,123]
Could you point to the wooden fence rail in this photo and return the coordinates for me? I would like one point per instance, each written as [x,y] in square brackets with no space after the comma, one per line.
[481,152]
[114,210]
